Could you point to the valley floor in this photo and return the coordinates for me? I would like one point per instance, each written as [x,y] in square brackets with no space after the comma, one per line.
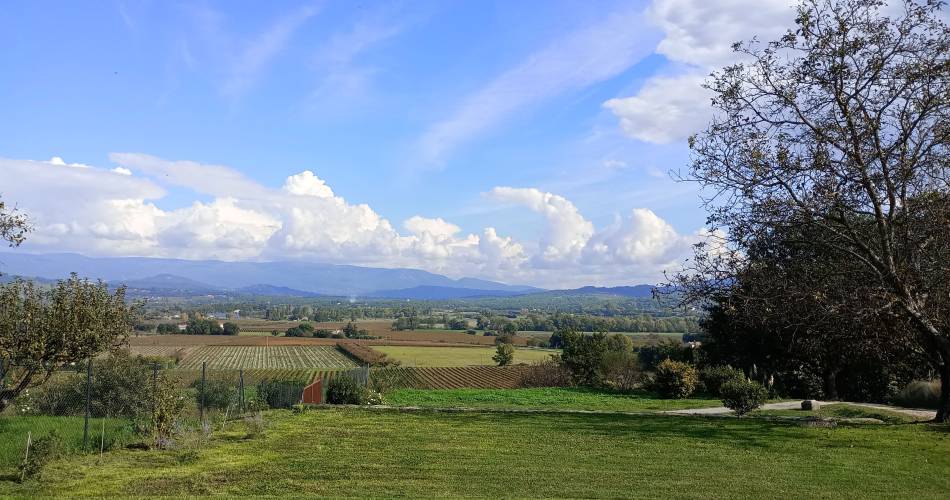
[354,452]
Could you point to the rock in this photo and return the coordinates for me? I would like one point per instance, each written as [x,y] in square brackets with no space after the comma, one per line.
[860,420]
[810,405]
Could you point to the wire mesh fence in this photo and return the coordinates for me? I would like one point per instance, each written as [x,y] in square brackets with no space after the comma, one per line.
[122,401]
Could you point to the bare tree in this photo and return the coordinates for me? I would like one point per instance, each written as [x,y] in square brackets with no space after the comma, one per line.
[841,126]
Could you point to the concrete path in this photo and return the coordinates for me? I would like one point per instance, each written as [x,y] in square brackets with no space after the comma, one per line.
[795,405]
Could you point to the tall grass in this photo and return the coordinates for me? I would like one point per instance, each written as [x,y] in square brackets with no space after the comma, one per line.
[919,394]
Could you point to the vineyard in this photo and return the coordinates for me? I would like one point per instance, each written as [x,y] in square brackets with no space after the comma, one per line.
[475,377]
[272,357]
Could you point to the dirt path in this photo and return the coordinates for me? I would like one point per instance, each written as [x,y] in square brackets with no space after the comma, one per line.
[794,405]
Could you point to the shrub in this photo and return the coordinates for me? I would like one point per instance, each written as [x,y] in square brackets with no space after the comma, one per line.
[345,390]
[504,354]
[42,451]
[713,377]
[619,342]
[280,393]
[919,394]
[742,395]
[546,373]
[675,379]
[620,370]
[218,394]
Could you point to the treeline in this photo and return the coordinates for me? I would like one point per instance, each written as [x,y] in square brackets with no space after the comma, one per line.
[200,327]
[551,322]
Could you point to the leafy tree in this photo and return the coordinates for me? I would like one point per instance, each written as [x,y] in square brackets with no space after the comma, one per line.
[231,328]
[204,327]
[43,329]
[504,354]
[840,127]
[166,328]
[583,355]
[13,225]
[619,342]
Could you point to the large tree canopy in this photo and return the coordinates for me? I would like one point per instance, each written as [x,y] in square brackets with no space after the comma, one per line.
[43,329]
[842,128]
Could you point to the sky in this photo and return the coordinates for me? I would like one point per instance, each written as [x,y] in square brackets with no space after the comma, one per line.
[526,142]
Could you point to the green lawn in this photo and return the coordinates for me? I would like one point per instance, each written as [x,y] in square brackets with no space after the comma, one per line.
[844,411]
[457,356]
[14,430]
[364,453]
[549,398]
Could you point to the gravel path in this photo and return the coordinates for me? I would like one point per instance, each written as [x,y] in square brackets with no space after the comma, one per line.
[795,405]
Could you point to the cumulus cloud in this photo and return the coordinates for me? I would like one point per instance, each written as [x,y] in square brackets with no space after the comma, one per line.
[95,211]
[698,39]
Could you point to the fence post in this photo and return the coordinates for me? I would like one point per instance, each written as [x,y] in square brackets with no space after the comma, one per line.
[85,427]
[154,390]
[201,399]
[241,392]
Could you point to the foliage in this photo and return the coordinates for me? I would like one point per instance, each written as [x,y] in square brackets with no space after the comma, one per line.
[42,329]
[675,379]
[166,328]
[345,390]
[13,225]
[41,452]
[650,356]
[231,328]
[834,139]
[619,342]
[546,373]
[217,394]
[206,326]
[919,394]
[742,395]
[583,355]
[620,370]
[713,377]
[280,393]
[504,354]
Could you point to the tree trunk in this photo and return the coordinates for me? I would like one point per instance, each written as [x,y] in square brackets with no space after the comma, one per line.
[943,410]
[831,384]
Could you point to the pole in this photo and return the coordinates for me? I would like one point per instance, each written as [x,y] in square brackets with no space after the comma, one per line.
[241,392]
[154,389]
[85,427]
[201,408]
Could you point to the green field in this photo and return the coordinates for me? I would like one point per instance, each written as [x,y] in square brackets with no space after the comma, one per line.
[270,357]
[363,453]
[843,411]
[457,356]
[546,398]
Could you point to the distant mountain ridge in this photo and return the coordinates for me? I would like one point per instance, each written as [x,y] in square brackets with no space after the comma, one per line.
[208,275]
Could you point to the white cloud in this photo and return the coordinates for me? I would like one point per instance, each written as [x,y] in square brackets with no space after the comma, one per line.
[92,210]
[122,171]
[574,61]
[698,39]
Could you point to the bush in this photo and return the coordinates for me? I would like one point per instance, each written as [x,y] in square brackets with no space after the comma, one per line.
[713,377]
[504,354]
[547,373]
[651,355]
[620,370]
[218,394]
[345,390]
[675,379]
[742,395]
[280,393]
[42,451]
[919,394]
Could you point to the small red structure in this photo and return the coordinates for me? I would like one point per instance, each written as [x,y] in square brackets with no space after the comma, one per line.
[313,393]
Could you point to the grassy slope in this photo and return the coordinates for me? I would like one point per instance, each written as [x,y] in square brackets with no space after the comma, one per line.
[541,398]
[844,411]
[456,356]
[351,452]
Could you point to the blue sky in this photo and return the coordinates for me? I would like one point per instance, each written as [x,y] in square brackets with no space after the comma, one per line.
[553,123]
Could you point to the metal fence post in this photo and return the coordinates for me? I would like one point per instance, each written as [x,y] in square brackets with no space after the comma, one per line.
[201,399]
[85,428]
[241,392]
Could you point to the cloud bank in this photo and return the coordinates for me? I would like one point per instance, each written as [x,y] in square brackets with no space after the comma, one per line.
[113,211]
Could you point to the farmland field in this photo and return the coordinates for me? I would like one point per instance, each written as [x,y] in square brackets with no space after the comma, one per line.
[456,356]
[484,377]
[272,357]
[365,453]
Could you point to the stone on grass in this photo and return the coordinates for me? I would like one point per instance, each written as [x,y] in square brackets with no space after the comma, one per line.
[810,405]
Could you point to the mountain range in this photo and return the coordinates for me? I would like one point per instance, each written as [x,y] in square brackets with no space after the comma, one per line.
[176,277]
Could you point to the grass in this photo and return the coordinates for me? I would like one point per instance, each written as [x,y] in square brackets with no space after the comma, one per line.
[363,453]
[546,398]
[844,411]
[456,356]
[14,430]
